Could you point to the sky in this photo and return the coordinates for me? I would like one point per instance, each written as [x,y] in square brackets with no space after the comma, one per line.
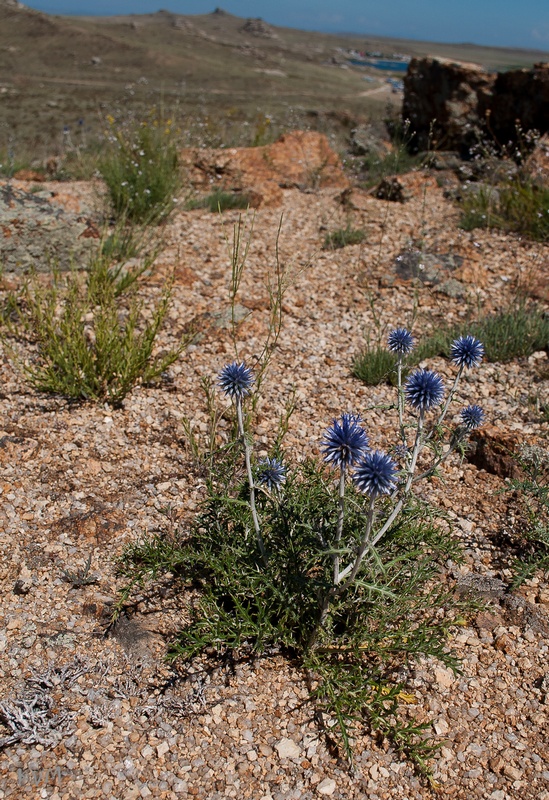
[503,23]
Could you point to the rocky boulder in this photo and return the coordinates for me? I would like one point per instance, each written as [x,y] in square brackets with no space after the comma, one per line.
[36,234]
[300,159]
[453,105]
[445,102]
[520,96]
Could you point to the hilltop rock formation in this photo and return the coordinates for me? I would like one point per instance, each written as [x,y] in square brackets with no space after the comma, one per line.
[454,105]
[258,27]
[301,159]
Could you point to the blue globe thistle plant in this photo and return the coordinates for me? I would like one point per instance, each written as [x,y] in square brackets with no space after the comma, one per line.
[271,473]
[467,352]
[424,389]
[375,474]
[236,380]
[472,417]
[343,445]
[400,341]
[344,442]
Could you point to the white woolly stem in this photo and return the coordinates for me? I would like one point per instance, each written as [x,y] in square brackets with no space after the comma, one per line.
[400,397]
[340,519]
[354,568]
[449,399]
[251,484]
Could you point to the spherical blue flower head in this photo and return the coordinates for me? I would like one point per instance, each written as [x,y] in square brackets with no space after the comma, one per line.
[467,351]
[400,341]
[472,417]
[344,442]
[272,473]
[236,379]
[375,474]
[424,389]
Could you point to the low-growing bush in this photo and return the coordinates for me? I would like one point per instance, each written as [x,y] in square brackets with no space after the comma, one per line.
[516,332]
[92,339]
[519,331]
[531,530]
[220,200]
[335,240]
[140,169]
[375,365]
[337,563]
[520,206]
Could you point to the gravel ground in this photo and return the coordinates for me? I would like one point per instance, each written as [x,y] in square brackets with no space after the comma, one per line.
[104,715]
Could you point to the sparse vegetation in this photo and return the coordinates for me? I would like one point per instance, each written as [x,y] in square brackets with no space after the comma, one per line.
[375,365]
[341,237]
[519,331]
[93,340]
[140,170]
[519,206]
[220,200]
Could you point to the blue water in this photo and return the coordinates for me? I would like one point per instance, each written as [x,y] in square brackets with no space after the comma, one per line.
[388,66]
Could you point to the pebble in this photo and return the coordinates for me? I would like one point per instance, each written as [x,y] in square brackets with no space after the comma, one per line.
[287,748]
[326,787]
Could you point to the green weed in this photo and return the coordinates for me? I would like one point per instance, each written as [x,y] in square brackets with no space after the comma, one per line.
[517,332]
[220,200]
[375,365]
[342,237]
[519,206]
[141,170]
[93,341]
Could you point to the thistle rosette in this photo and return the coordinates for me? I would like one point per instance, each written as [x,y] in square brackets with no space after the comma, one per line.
[375,474]
[236,380]
[467,352]
[424,389]
[472,417]
[344,442]
[400,341]
[271,473]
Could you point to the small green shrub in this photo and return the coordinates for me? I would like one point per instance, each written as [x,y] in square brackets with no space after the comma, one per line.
[342,237]
[11,162]
[141,170]
[221,201]
[375,365]
[514,333]
[93,342]
[518,331]
[519,206]
[377,167]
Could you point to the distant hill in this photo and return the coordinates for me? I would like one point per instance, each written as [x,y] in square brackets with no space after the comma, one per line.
[55,70]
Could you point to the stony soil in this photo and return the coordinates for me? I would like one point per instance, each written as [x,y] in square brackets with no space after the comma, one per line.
[82,481]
